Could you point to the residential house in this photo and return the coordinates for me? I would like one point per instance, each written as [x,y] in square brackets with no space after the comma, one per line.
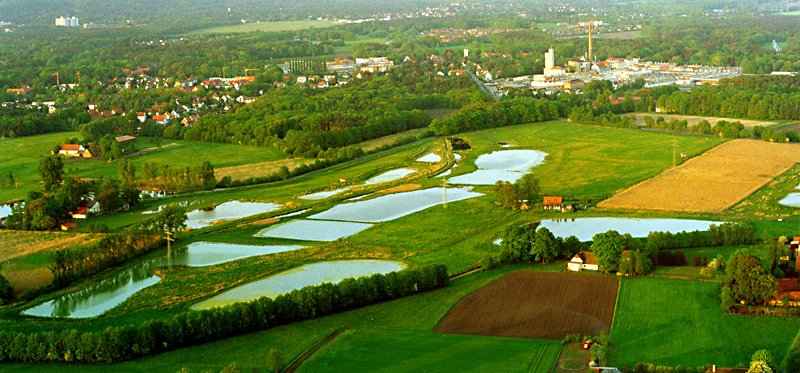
[583,260]
[141,116]
[71,150]
[552,203]
[86,208]
[19,91]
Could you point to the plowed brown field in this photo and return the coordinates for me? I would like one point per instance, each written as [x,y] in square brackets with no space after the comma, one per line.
[535,305]
[712,182]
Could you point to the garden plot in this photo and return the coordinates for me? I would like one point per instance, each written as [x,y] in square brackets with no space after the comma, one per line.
[535,305]
[712,182]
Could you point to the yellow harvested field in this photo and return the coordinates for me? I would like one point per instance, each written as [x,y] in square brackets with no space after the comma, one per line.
[712,182]
[691,119]
[246,171]
[18,243]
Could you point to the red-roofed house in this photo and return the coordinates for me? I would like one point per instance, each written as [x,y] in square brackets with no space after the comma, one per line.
[583,260]
[552,203]
[68,226]
[85,208]
[72,150]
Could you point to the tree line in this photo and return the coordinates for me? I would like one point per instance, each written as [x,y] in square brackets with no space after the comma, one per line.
[506,112]
[119,343]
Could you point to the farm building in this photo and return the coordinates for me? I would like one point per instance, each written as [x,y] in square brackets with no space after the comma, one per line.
[787,288]
[552,203]
[85,208]
[125,139]
[583,260]
[68,226]
[74,150]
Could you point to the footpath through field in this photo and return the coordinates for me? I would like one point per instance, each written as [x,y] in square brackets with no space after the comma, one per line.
[712,182]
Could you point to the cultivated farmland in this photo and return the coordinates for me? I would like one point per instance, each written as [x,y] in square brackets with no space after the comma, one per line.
[713,182]
[535,305]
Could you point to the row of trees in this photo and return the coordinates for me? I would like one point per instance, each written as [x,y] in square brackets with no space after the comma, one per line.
[526,243]
[507,112]
[174,178]
[189,328]
[525,188]
[25,122]
[725,234]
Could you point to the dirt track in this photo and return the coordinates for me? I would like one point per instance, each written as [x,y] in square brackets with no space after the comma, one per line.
[712,182]
[535,305]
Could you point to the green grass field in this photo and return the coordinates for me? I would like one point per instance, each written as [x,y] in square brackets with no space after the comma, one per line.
[365,350]
[21,155]
[585,163]
[266,26]
[679,322]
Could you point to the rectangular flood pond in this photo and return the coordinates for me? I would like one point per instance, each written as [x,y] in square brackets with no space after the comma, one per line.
[393,206]
[430,158]
[96,299]
[298,278]
[390,176]
[325,194]
[505,165]
[227,211]
[791,200]
[586,228]
[313,230]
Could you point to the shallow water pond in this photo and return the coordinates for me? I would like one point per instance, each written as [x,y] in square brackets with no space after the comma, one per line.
[390,176]
[107,294]
[5,210]
[505,165]
[298,278]
[313,230]
[324,194]
[792,200]
[586,228]
[393,206]
[227,211]
[430,157]
[98,298]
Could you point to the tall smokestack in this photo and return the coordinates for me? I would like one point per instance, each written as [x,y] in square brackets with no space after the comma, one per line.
[590,41]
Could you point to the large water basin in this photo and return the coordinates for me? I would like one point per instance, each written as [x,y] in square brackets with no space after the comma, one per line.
[430,158]
[298,278]
[227,211]
[792,200]
[97,299]
[393,206]
[505,165]
[586,228]
[390,176]
[325,194]
[313,230]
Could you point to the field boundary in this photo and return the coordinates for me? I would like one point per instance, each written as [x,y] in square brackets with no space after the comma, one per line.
[302,358]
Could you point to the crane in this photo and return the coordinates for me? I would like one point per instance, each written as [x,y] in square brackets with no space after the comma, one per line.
[223,72]
[246,70]
[58,82]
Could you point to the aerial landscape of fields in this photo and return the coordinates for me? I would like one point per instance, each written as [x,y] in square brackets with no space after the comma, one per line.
[410,186]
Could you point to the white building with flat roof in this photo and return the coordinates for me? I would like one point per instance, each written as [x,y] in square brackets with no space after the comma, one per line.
[67,22]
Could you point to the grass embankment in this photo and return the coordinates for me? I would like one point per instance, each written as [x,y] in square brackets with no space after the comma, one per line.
[393,350]
[678,322]
[763,204]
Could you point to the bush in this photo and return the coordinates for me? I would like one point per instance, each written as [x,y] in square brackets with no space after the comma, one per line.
[6,291]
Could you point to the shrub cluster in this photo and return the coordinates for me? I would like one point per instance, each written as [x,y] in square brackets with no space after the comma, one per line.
[190,328]
[672,258]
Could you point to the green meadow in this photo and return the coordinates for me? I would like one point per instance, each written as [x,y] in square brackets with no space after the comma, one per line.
[584,165]
[365,350]
[679,322]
